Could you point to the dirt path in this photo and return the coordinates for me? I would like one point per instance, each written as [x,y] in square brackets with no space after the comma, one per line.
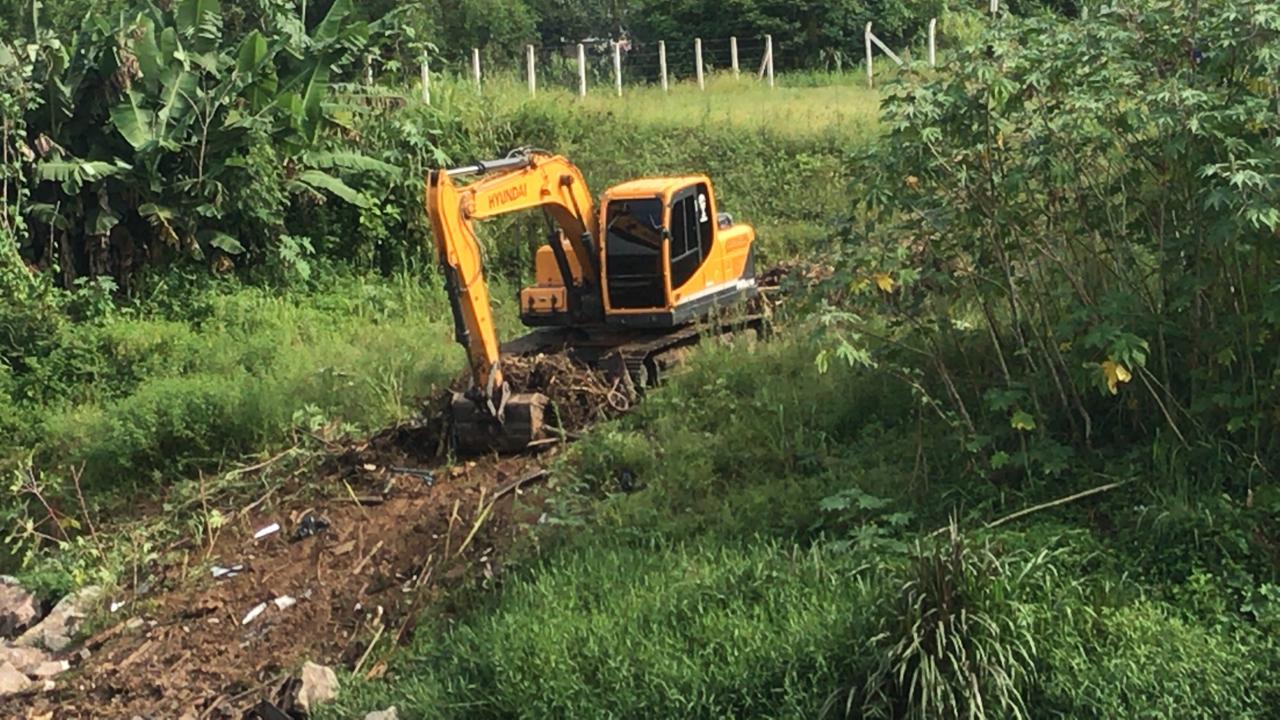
[188,652]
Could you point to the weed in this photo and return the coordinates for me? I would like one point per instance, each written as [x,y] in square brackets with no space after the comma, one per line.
[953,643]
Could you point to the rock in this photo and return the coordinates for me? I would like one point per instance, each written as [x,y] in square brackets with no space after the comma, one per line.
[388,714]
[18,608]
[12,681]
[319,685]
[25,660]
[45,670]
[55,631]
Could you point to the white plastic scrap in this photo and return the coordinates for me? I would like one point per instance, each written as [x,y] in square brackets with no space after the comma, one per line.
[284,602]
[254,613]
[268,530]
[221,572]
[116,606]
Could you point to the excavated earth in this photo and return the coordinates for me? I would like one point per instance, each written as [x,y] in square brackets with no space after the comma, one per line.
[394,526]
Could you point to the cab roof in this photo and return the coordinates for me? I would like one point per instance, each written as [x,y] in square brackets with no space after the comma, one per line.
[654,186]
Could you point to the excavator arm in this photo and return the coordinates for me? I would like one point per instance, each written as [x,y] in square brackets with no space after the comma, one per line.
[524,181]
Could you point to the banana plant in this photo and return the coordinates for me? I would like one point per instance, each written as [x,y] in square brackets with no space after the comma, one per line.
[149,124]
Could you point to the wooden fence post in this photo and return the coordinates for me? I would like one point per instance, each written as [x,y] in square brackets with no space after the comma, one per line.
[617,67]
[533,73]
[733,55]
[426,79]
[697,52]
[662,64]
[475,65]
[933,42]
[871,76]
[768,56]
[582,70]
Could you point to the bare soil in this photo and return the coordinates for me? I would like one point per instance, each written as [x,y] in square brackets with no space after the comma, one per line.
[399,533]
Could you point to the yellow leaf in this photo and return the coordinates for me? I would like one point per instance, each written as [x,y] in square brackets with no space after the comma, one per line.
[1115,374]
[883,281]
[913,182]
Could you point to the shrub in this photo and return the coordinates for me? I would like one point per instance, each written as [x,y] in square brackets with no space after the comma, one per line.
[1060,246]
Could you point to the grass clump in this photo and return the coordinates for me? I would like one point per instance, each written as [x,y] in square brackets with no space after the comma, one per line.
[952,642]
[643,630]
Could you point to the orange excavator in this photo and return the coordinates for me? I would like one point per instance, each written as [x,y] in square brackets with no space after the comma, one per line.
[622,286]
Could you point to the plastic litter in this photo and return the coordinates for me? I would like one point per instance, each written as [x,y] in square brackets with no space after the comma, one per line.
[254,613]
[284,602]
[268,530]
[220,572]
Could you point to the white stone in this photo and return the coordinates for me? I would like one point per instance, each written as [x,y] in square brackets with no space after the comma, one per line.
[319,685]
[25,660]
[18,608]
[55,631]
[52,668]
[12,681]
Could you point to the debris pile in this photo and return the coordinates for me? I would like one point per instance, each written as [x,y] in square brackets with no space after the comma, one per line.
[580,395]
[29,643]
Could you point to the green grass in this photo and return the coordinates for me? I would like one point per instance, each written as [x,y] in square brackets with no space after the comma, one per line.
[842,109]
[814,105]
[166,396]
[650,630]
[707,566]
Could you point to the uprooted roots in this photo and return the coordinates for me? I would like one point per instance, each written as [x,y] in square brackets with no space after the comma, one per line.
[580,395]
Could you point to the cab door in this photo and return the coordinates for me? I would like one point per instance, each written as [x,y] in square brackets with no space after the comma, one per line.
[691,235]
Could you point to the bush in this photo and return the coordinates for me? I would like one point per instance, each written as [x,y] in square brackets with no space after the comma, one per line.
[953,642]
[1059,250]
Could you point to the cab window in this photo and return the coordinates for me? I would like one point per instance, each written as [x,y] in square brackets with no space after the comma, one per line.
[691,232]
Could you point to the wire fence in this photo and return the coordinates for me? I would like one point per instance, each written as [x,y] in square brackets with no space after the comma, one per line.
[612,65]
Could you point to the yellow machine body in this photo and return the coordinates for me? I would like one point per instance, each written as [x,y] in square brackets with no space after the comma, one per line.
[653,257]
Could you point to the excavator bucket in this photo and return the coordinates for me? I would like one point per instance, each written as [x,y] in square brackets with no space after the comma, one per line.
[476,431]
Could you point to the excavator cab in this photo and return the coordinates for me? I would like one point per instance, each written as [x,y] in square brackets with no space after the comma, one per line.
[666,258]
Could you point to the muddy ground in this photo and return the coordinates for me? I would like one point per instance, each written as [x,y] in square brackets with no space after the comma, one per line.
[382,529]
[408,534]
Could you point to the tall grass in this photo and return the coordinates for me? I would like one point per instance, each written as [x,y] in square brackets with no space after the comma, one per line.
[146,393]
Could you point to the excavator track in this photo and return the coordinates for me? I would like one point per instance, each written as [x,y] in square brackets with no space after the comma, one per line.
[644,357]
